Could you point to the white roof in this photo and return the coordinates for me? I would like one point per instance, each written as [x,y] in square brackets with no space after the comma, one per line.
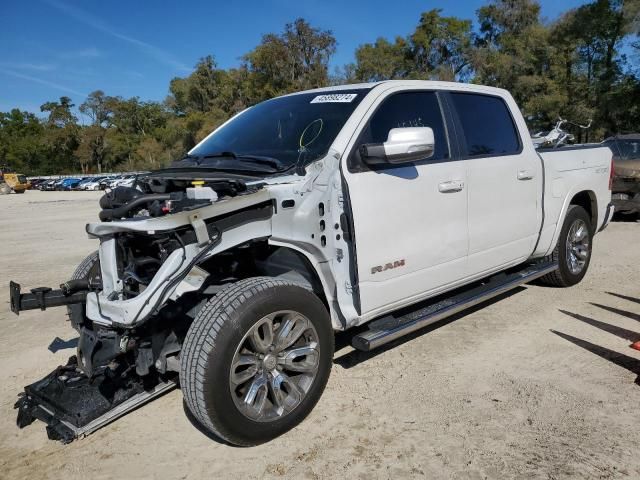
[427,84]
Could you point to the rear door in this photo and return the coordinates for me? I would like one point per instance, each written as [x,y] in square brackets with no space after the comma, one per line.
[504,180]
[410,220]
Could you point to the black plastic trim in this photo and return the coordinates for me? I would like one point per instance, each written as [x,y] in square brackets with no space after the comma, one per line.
[351,243]
[582,146]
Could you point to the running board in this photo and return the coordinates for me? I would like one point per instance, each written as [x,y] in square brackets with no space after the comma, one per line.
[390,328]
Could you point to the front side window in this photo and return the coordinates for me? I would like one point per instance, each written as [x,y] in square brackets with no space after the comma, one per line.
[279,134]
[408,109]
[487,124]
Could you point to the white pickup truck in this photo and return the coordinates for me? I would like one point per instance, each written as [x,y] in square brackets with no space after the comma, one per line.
[395,203]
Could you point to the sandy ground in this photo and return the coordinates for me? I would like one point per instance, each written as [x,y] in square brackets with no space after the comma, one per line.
[492,394]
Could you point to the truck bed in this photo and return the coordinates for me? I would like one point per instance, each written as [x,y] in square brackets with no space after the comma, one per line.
[567,171]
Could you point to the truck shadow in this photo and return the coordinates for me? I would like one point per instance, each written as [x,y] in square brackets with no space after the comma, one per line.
[354,357]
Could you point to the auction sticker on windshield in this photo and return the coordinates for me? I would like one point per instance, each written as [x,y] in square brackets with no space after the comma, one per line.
[335,98]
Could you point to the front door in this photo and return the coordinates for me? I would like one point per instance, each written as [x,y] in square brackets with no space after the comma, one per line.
[410,220]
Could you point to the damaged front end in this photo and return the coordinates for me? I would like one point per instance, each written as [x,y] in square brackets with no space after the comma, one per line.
[133,301]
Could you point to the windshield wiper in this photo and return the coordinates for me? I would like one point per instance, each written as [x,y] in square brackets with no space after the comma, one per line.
[272,162]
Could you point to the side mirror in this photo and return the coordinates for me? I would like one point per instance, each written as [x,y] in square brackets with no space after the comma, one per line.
[403,145]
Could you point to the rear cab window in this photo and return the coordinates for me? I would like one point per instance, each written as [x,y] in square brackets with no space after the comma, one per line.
[489,129]
[629,149]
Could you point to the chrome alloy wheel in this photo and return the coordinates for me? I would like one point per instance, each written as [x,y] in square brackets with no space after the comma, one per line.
[577,246]
[274,366]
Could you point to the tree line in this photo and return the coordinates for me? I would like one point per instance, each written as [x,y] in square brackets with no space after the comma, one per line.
[583,65]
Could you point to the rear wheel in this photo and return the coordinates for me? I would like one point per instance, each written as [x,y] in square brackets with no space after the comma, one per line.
[573,250]
[256,360]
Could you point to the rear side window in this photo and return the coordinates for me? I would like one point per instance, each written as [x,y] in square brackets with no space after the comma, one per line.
[487,124]
[410,109]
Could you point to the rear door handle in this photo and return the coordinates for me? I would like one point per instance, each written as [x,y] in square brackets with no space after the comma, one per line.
[525,175]
[450,186]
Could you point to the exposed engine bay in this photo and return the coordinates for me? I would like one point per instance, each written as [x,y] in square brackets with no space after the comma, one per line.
[172,191]
[134,302]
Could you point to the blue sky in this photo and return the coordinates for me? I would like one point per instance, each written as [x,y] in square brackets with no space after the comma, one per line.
[50,48]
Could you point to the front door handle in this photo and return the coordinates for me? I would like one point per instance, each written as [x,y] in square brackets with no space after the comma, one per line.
[450,186]
[525,175]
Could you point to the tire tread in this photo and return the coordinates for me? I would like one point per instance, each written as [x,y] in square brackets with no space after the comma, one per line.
[201,339]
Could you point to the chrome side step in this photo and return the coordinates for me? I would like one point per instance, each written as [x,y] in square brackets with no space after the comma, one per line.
[389,328]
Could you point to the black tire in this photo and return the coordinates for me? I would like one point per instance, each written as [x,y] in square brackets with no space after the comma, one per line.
[563,276]
[213,339]
[88,268]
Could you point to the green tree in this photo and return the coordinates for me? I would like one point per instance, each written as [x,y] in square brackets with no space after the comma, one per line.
[21,145]
[513,51]
[93,147]
[296,59]
[382,60]
[441,47]
[61,136]
[59,113]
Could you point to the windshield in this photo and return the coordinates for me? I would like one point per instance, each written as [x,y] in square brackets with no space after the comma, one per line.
[278,134]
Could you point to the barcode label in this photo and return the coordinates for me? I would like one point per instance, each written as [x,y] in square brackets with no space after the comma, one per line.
[335,98]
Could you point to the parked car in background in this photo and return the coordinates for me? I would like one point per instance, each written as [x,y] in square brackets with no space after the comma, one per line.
[626,175]
[69,183]
[92,183]
[35,182]
[126,181]
[59,184]
[80,185]
[51,184]
[111,182]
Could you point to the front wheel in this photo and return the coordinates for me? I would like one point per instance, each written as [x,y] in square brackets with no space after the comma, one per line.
[88,269]
[573,250]
[256,360]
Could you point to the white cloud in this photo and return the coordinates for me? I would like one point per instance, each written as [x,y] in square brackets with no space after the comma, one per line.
[39,67]
[41,81]
[90,52]
[144,47]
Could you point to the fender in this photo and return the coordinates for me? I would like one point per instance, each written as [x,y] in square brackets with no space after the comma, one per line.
[324,274]
[563,213]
